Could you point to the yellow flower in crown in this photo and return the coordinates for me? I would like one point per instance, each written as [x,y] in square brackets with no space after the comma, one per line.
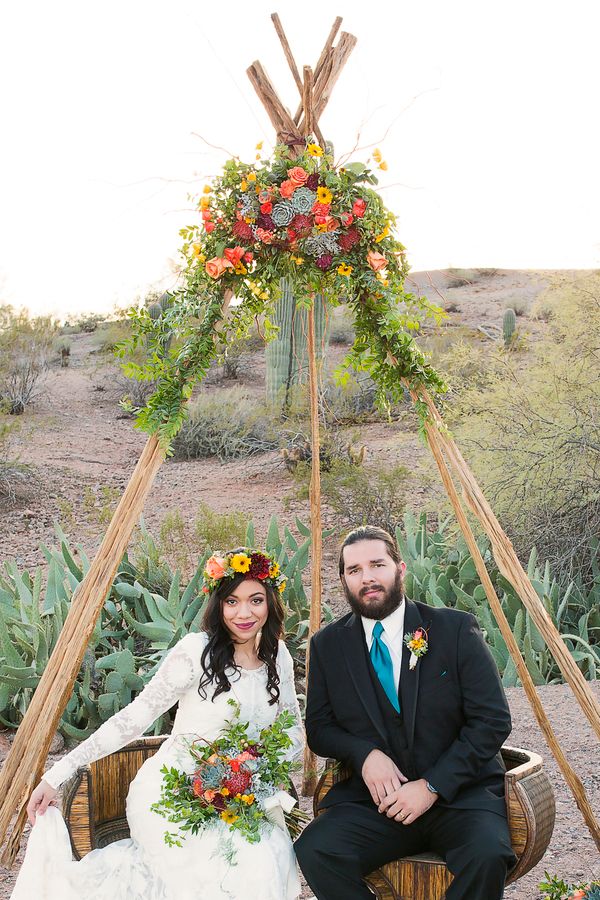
[314,150]
[229,817]
[345,270]
[324,195]
[282,587]
[274,570]
[240,562]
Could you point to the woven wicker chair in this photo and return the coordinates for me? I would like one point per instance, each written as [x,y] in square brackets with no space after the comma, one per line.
[530,807]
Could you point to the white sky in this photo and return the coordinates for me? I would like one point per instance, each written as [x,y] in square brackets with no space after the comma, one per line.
[486,113]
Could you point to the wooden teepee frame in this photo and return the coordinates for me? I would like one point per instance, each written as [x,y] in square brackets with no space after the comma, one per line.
[24,764]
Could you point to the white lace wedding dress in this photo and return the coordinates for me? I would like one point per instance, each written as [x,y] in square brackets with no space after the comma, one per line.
[144,867]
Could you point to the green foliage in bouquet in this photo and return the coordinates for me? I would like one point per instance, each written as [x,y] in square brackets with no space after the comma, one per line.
[299,218]
[230,778]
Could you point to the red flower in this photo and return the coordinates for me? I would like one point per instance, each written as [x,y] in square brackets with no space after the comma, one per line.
[234,765]
[218,801]
[234,255]
[197,786]
[358,207]
[324,262]
[237,783]
[209,226]
[349,239]
[347,219]
[312,181]
[302,223]
[266,208]
[259,566]
[243,231]
[321,209]
[248,256]
[206,215]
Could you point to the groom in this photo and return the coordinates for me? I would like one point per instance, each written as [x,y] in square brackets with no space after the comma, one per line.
[422,743]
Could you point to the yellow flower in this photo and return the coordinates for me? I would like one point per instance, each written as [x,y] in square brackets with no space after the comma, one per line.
[322,228]
[206,189]
[251,176]
[377,155]
[314,150]
[248,799]
[257,156]
[274,570]
[383,234]
[204,202]
[263,295]
[345,270]
[229,817]
[241,269]
[225,792]
[383,165]
[297,259]
[259,146]
[244,185]
[240,562]
[197,252]
[324,195]
[282,587]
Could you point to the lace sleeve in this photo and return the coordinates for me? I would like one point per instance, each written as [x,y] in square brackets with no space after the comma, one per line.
[175,675]
[288,700]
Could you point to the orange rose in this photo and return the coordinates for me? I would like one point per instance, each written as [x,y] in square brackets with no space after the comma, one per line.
[297,176]
[215,567]
[287,188]
[376,260]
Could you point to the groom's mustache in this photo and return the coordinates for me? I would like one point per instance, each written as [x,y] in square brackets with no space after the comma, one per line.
[371,587]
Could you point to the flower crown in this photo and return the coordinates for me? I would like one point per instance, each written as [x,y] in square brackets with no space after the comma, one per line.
[250,563]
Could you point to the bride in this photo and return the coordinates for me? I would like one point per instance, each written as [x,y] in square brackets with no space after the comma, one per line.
[238,655]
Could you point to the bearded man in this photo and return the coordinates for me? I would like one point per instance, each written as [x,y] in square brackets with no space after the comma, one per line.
[420,728]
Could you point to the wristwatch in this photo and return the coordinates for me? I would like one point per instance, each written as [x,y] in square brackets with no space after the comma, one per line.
[431,788]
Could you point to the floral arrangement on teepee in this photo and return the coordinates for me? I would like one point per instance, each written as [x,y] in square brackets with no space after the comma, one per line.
[295,215]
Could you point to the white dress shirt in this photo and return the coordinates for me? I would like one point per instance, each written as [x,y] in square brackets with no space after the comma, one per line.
[392,636]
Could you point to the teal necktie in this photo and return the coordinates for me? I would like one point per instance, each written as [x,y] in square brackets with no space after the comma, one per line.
[382,663]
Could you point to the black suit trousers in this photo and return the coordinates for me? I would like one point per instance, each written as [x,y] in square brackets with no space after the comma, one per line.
[349,840]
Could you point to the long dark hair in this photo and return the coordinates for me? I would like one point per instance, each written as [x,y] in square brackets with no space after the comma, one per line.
[218,653]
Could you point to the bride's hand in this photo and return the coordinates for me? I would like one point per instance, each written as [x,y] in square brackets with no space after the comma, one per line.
[42,797]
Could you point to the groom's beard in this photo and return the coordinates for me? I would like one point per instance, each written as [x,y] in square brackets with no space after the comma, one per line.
[380,608]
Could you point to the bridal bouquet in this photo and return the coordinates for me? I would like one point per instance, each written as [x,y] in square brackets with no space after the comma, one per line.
[234,780]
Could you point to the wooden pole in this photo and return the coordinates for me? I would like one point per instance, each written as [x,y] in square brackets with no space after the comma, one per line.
[310,768]
[24,764]
[321,61]
[510,566]
[573,781]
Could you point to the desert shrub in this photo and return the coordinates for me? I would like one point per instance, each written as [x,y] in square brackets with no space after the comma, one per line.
[464,277]
[521,307]
[341,330]
[25,348]
[62,348]
[183,541]
[221,530]
[109,334]
[531,432]
[85,322]
[12,473]
[360,495]
[227,424]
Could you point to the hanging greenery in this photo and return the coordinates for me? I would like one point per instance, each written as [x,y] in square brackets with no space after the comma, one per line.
[296,216]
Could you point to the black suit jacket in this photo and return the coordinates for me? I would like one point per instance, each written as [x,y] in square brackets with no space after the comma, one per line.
[454,708]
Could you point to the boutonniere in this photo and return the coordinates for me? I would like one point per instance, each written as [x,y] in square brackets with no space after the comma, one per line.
[417,644]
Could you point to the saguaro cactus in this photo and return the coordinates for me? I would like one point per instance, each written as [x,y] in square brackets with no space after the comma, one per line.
[286,355]
[509,324]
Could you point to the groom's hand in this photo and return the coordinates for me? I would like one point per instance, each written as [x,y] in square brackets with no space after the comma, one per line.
[381,775]
[409,802]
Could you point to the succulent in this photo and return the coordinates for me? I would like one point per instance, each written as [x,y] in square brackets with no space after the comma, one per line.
[155,311]
[509,325]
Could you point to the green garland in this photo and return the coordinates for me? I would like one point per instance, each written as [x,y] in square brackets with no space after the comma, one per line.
[296,217]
